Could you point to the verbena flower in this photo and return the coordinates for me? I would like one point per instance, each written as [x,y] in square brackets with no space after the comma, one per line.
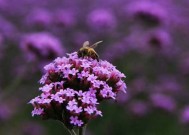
[38,18]
[72,88]
[32,128]
[139,108]
[8,29]
[163,102]
[46,47]
[101,20]
[64,18]
[184,115]
[149,13]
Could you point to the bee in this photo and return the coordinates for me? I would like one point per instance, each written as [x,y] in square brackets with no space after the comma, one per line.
[88,50]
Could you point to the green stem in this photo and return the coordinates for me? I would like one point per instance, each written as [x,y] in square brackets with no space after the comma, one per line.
[82,130]
[72,132]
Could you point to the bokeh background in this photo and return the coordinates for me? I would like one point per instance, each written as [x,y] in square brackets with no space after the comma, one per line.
[146,40]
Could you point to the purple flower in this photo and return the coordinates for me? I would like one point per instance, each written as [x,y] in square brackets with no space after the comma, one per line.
[69,92]
[72,102]
[167,84]
[164,102]
[73,120]
[42,46]
[5,112]
[139,108]
[159,41]
[8,30]
[90,110]
[73,71]
[184,115]
[85,99]
[74,87]
[57,98]
[37,111]
[101,20]
[98,113]
[46,88]
[91,78]
[71,107]
[32,128]
[78,109]
[79,123]
[39,18]
[64,18]
[149,13]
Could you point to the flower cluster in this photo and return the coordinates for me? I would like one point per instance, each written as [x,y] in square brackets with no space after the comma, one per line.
[73,87]
[46,47]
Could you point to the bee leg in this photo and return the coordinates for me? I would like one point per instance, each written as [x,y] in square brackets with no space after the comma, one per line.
[79,53]
[97,57]
[82,55]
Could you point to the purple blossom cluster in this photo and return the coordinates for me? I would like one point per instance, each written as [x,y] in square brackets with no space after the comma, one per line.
[146,39]
[46,47]
[73,87]
[147,12]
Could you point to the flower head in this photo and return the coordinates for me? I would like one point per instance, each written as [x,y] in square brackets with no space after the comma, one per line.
[39,18]
[184,115]
[42,45]
[101,20]
[64,18]
[73,87]
[150,13]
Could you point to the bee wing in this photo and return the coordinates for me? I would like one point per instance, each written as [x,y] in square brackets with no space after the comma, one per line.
[95,44]
[86,43]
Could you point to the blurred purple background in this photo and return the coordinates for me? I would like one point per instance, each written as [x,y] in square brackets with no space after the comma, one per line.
[147,40]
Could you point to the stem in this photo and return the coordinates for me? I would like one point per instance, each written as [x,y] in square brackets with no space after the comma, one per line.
[72,132]
[82,130]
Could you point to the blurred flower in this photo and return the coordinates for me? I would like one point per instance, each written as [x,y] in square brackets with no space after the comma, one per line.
[138,85]
[39,18]
[64,19]
[139,108]
[101,20]
[167,84]
[5,112]
[2,3]
[136,41]
[149,13]
[73,87]
[122,98]
[153,42]
[163,102]
[12,8]
[184,116]
[159,41]
[32,128]
[42,45]
[7,29]
[184,63]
